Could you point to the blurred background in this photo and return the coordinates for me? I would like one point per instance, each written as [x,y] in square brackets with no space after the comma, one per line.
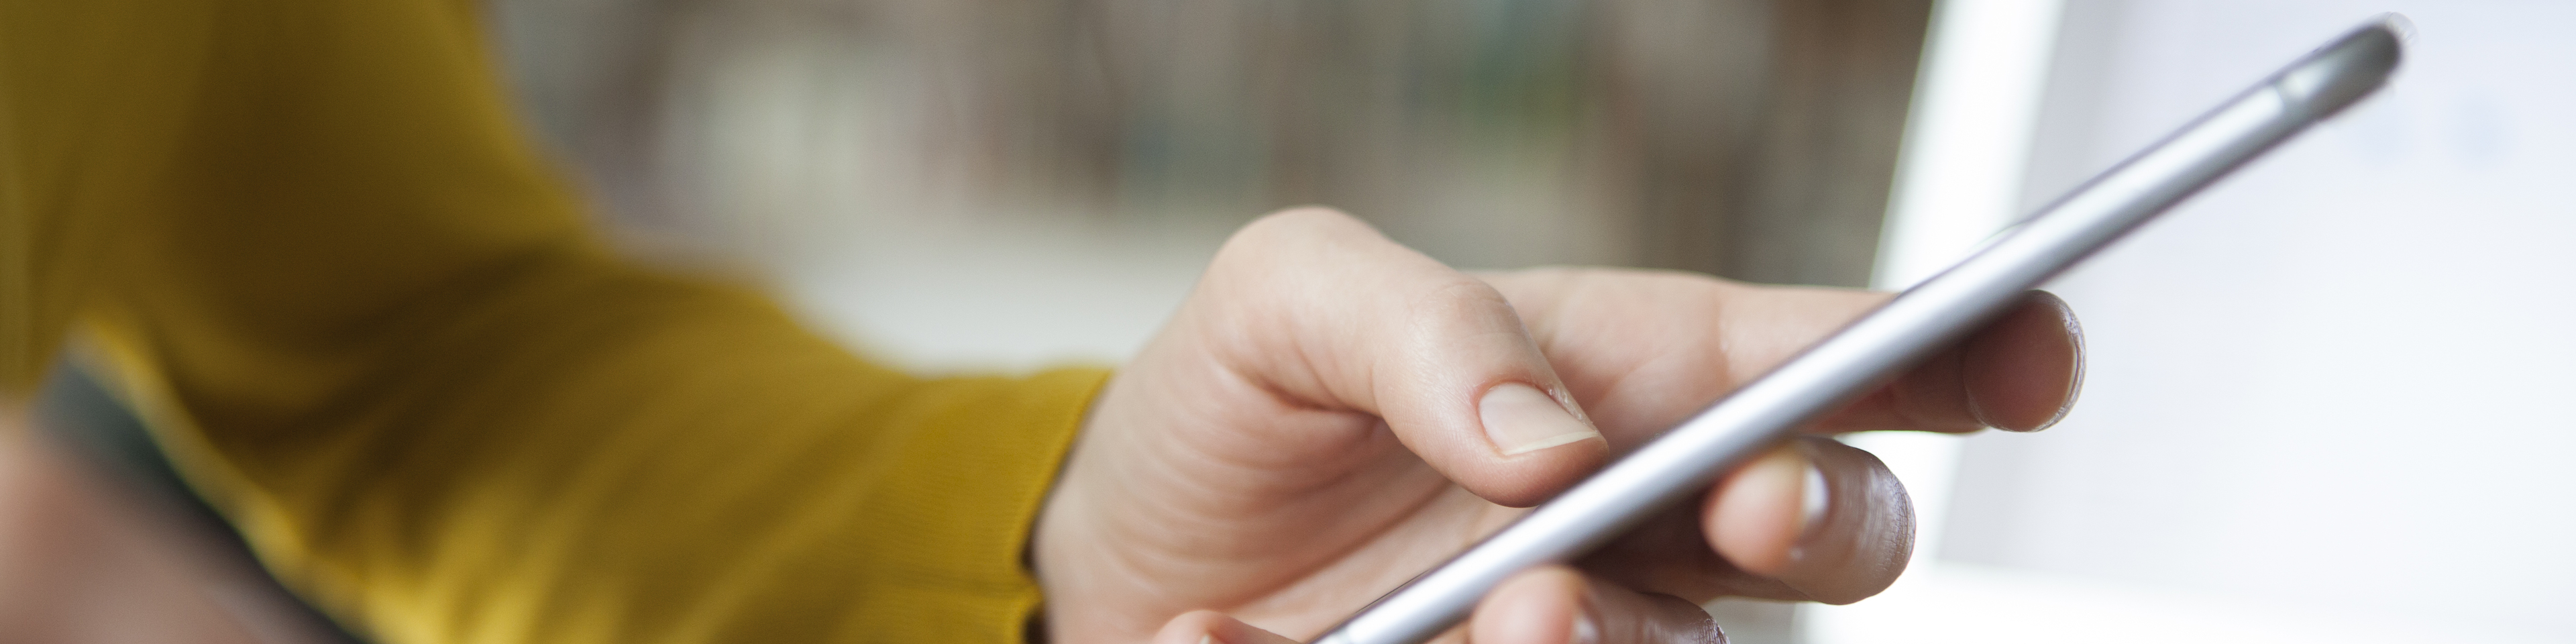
[919,172]
[2325,399]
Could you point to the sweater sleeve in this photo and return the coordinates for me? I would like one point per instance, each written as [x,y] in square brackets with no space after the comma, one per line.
[368,324]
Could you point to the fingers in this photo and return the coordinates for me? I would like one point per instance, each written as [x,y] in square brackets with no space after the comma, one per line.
[1547,605]
[1646,349]
[1556,605]
[1758,512]
[1211,627]
[2019,373]
[1821,520]
[1319,308]
[2023,371]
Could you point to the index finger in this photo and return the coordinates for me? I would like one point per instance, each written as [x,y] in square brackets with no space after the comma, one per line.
[1643,350]
[2021,373]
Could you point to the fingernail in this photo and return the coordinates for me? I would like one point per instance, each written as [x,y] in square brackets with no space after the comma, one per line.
[2075,379]
[2074,331]
[1209,639]
[1520,419]
[1813,499]
[2074,375]
[1585,632]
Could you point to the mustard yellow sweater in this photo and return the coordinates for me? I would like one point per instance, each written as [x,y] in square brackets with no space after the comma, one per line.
[308,242]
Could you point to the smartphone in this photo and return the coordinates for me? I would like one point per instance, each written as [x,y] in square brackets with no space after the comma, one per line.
[1683,462]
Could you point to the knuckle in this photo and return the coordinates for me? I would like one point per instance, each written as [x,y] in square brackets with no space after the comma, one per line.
[1462,293]
[1298,222]
[1460,307]
[1267,238]
[1309,214]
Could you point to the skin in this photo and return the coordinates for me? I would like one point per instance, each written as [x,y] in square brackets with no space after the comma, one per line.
[83,561]
[1306,435]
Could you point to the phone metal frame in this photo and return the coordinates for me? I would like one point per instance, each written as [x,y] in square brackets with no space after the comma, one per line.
[1864,354]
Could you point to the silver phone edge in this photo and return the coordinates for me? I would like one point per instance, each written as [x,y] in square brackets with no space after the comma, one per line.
[1914,324]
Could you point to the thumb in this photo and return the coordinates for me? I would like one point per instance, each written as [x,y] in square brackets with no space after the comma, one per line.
[1319,307]
[1211,627]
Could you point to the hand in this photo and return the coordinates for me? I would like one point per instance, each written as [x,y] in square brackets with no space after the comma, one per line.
[1330,414]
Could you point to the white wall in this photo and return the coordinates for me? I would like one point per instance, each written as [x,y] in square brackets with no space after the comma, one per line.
[2326,399]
